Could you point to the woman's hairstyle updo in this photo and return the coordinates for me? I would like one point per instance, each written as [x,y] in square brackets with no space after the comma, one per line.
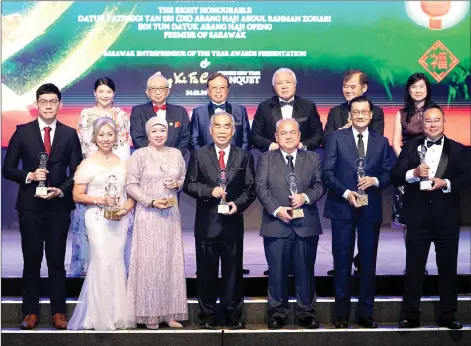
[99,123]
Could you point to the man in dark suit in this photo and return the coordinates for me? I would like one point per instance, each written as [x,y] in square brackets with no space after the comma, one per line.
[44,218]
[289,240]
[218,91]
[340,171]
[220,233]
[355,83]
[432,215]
[285,105]
[176,116]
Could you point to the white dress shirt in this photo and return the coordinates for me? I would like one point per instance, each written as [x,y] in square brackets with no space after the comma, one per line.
[365,145]
[432,159]
[287,110]
[226,153]
[293,154]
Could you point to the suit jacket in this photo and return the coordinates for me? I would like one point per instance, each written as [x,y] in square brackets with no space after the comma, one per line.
[269,112]
[202,177]
[25,145]
[273,191]
[178,126]
[419,205]
[340,174]
[338,117]
[199,126]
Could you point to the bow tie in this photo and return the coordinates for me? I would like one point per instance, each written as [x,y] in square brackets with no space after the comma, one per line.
[287,103]
[221,106]
[430,143]
[161,108]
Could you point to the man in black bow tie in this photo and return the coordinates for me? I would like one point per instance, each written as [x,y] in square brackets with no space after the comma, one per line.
[158,89]
[432,215]
[218,90]
[282,106]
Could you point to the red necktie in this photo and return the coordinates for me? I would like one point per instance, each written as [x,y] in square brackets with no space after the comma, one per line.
[161,108]
[222,165]
[47,139]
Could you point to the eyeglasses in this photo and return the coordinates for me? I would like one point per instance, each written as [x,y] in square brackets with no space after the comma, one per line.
[43,103]
[215,88]
[153,90]
[363,112]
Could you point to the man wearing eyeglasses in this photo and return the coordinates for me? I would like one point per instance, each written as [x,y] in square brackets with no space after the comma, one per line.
[44,216]
[217,87]
[355,83]
[176,116]
[346,152]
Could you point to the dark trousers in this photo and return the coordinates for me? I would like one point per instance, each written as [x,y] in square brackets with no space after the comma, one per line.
[343,244]
[208,251]
[418,240]
[280,254]
[356,259]
[43,230]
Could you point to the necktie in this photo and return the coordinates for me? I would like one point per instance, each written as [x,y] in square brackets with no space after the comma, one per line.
[361,146]
[160,108]
[430,143]
[287,103]
[222,165]
[47,139]
[221,106]
[290,163]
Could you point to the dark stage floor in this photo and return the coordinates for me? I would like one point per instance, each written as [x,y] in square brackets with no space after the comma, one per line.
[391,254]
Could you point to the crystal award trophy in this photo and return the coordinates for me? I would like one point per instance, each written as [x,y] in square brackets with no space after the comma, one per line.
[169,198]
[293,188]
[362,199]
[223,207]
[111,190]
[41,189]
[425,183]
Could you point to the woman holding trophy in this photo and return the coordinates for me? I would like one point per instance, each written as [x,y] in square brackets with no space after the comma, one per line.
[104,91]
[156,283]
[99,185]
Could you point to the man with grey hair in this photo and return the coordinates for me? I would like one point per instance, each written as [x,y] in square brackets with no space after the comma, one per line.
[176,116]
[283,106]
[220,172]
[288,184]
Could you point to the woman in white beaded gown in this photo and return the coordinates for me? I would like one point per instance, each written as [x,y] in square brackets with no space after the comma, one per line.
[99,184]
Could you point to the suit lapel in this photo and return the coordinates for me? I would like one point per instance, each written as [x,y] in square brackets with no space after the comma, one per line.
[443,158]
[370,147]
[348,135]
[296,110]
[228,108]
[298,166]
[231,158]
[276,110]
[37,134]
[169,116]
[280,160]
[210,110]
[344,113]
[212,155]
[57,137]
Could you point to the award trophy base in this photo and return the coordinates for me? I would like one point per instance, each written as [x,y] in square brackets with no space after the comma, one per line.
[111,215]
[171,201]
[296,213]
[224,209]
[41,191]
[362,200]
[426,184]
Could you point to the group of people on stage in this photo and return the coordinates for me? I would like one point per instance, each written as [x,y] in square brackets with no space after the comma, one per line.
[127,224]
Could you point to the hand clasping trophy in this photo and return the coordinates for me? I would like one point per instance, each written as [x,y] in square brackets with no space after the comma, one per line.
[223,207]
[425,183]
[41,189]
[170,199]
[363,197]
[293,188]
[111,190]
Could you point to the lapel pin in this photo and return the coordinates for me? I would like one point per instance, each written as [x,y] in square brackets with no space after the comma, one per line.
[171,124]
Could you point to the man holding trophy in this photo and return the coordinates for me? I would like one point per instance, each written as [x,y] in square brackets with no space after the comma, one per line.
[46,148]
[220,177]
[434,170]
[356,167]
[289,184]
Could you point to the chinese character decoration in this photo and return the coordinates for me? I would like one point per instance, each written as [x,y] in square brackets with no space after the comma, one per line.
[438,60]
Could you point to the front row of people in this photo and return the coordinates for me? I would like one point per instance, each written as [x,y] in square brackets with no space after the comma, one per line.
[221,177]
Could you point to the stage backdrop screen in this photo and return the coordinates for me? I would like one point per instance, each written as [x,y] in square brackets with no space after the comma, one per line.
[72,43]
